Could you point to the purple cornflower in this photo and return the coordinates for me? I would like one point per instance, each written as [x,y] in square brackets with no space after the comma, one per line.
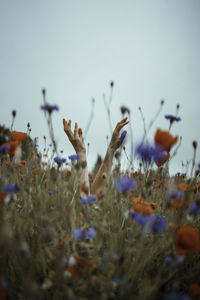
[90,233]
[176,296]
[172,118]
[49,108]
[123,135]
[194,209]
[155,224]
[78,234]
[148,153]
[10,188]
[50,193]
[198,166]
[140,219]
[174,259]
[4,149]
[125,184]
[175,194]
[84,201]
[59,160]
[89,199]
[74,156]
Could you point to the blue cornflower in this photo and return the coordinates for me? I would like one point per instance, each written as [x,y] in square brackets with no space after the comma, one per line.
[194,209]
[49,108]
[4,149]
[84,201]
[155,224]
[59,160]
[141,219]
[175,194]
[172,118]
[148,153]
[123,135]
[10,188]
[78,234]
[90,233]
[176,296]
[61,151]
[125,184]
[74,156]
[91,198]
[173,259]
[50,193]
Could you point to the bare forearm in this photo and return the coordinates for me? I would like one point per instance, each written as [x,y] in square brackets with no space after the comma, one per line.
[100,183]
[82,174]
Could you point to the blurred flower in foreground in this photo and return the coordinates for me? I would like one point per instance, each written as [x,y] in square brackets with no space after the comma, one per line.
[89,199]
[150,223]
[194,290]
[174,259]
[74,157]
[13,145]
[18,136]
[194,209]
[59,160]
[164,139]
[187,240]
[4,148]
[172,118]
[125,184]
[89,233]
[176,296]
[123,135]
[49,108]
[148,153]
[10,188]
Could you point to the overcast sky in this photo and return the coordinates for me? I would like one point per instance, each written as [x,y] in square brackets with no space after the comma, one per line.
[75,48]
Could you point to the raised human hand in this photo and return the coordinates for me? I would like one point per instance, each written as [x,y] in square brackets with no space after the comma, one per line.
[76,137]
[117,139]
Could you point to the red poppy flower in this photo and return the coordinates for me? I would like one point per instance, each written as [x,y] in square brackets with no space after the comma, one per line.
[12,147]
[187,240]
[164,139]
[18,136]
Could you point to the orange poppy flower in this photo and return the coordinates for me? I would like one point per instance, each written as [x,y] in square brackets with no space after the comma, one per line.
[80,267]
[2,197]
[187,240]
[142,208]
[13,147]
[18,136]
[164,139]
[194,290]
[153,205]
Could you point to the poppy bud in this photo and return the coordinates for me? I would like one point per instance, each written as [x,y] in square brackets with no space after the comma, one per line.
[14,113]
[44,91]
[112,84]
[194,144]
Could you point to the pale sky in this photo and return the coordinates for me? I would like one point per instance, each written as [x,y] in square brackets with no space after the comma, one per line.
[75,48]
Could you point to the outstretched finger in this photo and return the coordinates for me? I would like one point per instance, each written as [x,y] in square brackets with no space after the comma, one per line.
[75,129]
[121,124]
[67,128]
[80,133]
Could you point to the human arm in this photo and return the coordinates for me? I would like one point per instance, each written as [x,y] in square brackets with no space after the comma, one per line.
[101,180]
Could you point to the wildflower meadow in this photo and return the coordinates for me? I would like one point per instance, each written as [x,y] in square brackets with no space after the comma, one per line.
[68,232]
